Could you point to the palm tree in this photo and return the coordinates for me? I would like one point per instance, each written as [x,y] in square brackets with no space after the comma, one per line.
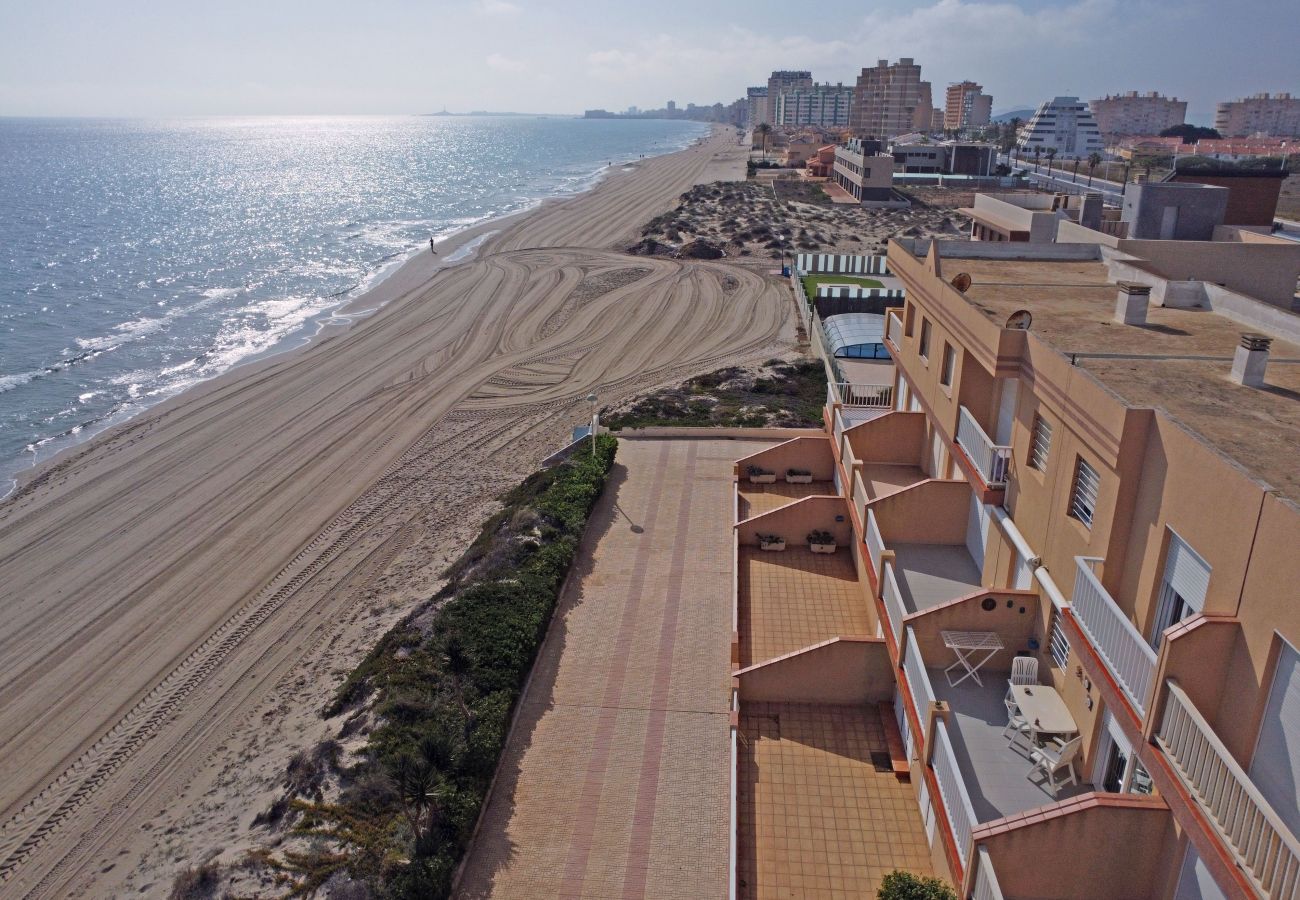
[1075,176]
[1094,160]
[1051,155]
[1038,151]
[763,131]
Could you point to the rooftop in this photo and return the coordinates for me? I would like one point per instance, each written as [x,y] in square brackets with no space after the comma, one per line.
[1073,305]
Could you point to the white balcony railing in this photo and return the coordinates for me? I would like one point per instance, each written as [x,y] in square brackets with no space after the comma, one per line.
[860,504]
[871,396]
[894,329]
[837,426]
[991,460]
[918,681]
[893,602]
[986,880]
[875,543]
[1129,658]
[956,802]
[1262,844]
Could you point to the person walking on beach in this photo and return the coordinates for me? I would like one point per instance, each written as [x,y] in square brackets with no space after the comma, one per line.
[431,249]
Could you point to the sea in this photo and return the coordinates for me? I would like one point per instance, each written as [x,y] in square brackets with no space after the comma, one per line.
[139,258]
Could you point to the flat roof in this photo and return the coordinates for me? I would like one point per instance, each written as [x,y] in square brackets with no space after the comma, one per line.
[1073,306]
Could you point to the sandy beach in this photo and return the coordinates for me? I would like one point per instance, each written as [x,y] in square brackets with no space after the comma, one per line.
[182,594]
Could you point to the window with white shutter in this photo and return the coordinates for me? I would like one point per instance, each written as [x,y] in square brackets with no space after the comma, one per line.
[1083,497]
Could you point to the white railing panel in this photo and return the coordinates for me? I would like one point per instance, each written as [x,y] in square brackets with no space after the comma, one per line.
[990,460]
[1130,658]
[893,602]
[875,542]
[956,802]
[860,504]
[986,880]
[1260,841]
[838,427]
[873,396]
[918,680]
[894,329]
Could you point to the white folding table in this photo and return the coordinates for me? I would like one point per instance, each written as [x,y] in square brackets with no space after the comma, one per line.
[968,645]
[1043,710]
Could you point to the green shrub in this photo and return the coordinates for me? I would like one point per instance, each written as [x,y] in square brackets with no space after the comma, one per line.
[900,885]
[444,687]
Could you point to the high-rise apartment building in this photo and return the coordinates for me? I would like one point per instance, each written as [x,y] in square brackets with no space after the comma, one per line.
[1275,115]
[1131,113]
[1063,124]
[823,105]
[967,106]
[756,106]
[1051,563]
[891,99]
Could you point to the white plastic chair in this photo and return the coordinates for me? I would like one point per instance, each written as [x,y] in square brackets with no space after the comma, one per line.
[1024,670]
[1049,761]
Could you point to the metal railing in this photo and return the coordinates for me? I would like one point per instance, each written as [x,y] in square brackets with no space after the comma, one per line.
[860,504]
[1130,658]
[956,802]
[872,396]
[837,426]
[918,681]
[1260,841]
[893,601]
[875,541]
[894,328]
[986,880]
[991,460]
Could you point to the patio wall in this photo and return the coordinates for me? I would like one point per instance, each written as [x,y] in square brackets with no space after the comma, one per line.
[845,670]
[793,522]
[1013,626]
[929,512]
[812,454]
[1055,851]
[897,438]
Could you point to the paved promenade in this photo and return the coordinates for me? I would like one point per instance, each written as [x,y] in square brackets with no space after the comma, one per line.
[616,781]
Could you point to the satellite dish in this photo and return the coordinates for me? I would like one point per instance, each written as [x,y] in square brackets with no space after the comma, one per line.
[1020,320]
[961,281]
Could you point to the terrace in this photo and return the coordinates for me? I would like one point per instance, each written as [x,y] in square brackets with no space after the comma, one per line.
[811,455]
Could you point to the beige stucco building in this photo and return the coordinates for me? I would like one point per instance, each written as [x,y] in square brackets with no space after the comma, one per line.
[891,99]
[1132,113]
[966,106]
[1275,115]
[1080,466]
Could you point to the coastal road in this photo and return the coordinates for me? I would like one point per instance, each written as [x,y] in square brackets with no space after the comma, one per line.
[181,595]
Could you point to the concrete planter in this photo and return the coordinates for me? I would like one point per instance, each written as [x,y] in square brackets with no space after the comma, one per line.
[772,546]
[822,548]
[798,479]
[767,478]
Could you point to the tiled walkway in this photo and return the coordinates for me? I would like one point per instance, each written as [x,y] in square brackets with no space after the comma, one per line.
[756,499]
[796,598]
[817,819]
[615,783]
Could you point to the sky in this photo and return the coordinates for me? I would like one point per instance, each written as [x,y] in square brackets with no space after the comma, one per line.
[242,57]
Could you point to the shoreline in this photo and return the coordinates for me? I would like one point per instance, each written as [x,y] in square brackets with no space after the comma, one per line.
[413,271]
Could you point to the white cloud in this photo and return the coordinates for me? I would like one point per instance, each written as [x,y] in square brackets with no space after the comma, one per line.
[496,7]
[502,63]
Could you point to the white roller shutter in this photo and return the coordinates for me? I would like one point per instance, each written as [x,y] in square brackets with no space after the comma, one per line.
[1275,768]
[1186,572]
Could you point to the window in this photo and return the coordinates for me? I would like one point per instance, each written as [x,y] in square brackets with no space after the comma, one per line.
[909,319]
[949,363]
[1057,643]
[924,348]
[1040,443]
[1083,498]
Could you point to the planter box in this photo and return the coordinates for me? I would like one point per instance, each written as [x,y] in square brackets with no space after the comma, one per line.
[798,479]
[822,548]
[772,546]
[769,478]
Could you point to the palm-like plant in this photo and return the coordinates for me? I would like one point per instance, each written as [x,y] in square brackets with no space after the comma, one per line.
[764,131]
[1051,155]
[1094,160]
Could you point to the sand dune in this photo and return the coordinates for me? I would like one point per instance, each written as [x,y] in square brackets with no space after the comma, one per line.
[180,595]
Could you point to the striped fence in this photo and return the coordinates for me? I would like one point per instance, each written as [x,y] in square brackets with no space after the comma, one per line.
[856,292]
[841,264]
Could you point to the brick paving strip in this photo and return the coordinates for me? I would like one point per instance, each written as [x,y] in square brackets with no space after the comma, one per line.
[580,843]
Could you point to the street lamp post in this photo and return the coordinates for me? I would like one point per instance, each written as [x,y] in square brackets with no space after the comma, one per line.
[595,423]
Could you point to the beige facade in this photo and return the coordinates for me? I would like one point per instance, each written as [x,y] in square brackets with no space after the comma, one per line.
[1080,477]
[1132,113]
[889,100]
[1276,115]
[966,106]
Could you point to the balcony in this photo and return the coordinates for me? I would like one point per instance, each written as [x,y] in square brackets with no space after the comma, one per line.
[991,461]
[893,329]
[886,453]
[1115,639]
[855,403]
[805,454]
[1258,839]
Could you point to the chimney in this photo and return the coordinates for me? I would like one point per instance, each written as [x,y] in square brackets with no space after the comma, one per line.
[1251,358]
[1131,304]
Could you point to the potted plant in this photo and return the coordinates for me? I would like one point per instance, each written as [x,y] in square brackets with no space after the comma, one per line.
[798,476]
[771,542]
[821,542]
[758,475]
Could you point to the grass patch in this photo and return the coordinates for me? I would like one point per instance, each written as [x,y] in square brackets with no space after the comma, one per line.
[811,282]
[777,395]
[443,683]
